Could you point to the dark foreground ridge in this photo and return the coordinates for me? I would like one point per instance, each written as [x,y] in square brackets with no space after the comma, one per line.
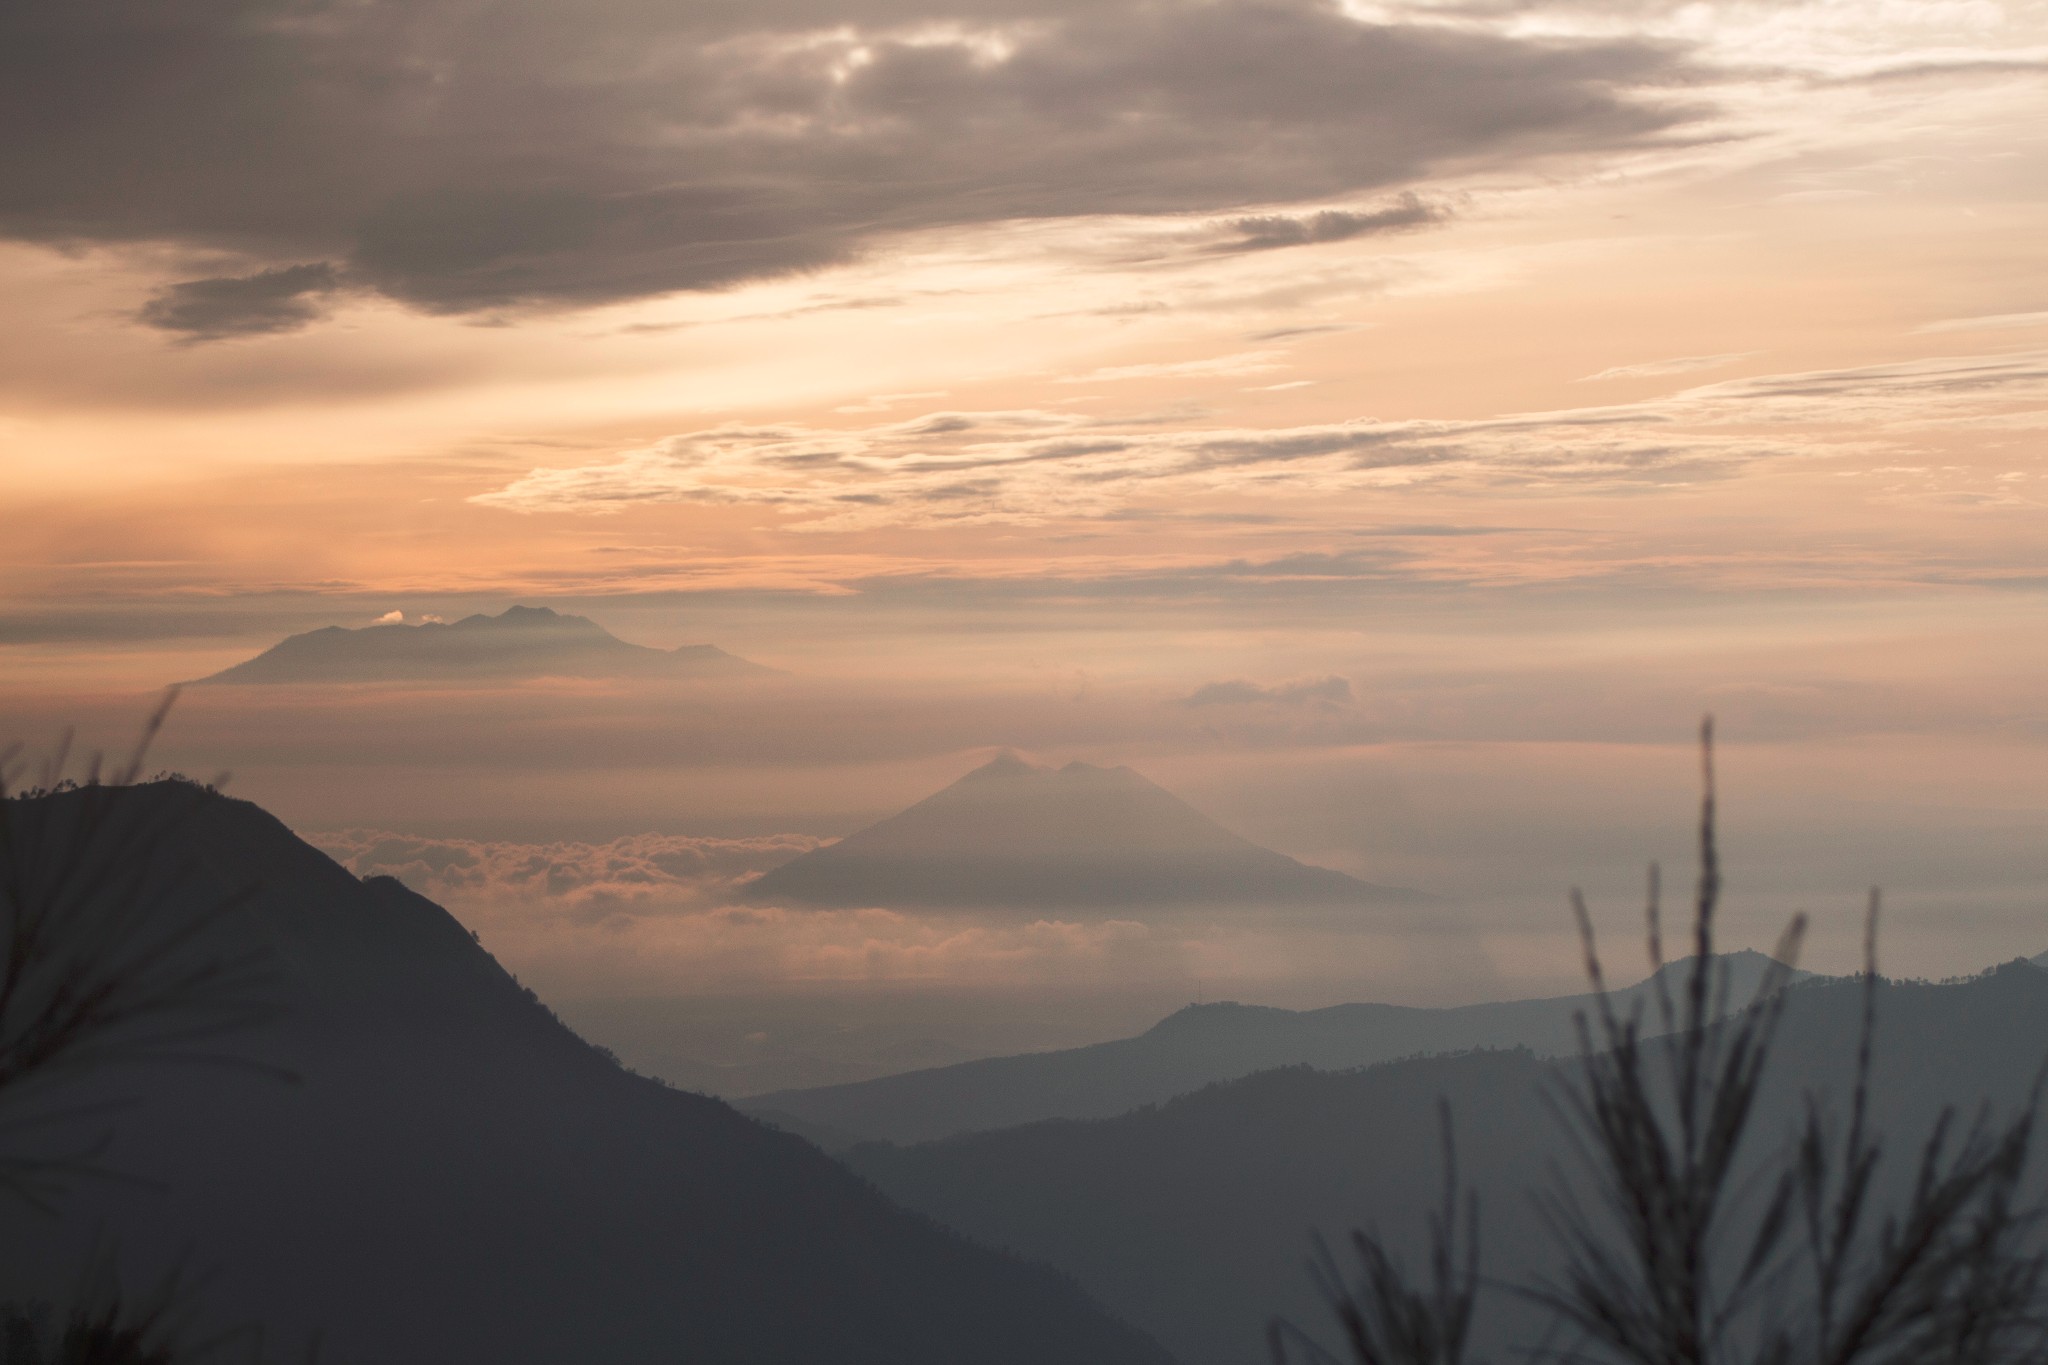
[519,642]
[1190,1218]
[1019,836]
[1196,1046]
[457,1177]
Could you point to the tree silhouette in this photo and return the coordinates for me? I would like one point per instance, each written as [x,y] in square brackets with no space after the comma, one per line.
[1699,1249]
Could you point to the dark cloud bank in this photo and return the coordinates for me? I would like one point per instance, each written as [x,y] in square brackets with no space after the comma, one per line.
[461,156]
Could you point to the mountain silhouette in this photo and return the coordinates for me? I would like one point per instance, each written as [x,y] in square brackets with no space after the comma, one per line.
[1016,835]
[1192,1218]
[519,642]
[1191,1048]
[455,1176]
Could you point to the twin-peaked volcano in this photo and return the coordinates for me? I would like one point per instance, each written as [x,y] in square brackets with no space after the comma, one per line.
[1015,835]
[520,642]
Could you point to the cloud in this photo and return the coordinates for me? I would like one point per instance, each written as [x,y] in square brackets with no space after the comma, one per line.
[1989,322]
[269,301]
[465,159]
[1945,387]
[1655,369]
[1433,531]
[883,402]
[653,912]
[644,871]
[1323,692]
[1267,232]
[1031,466]
[1970,66]
[1309,330]
[1245,362]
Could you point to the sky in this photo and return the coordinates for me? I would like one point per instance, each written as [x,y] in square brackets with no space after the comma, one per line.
[1390,426]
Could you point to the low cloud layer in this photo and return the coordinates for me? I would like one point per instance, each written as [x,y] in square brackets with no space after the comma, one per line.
[652,913]
[463,158]
[1035,465]
[644,871]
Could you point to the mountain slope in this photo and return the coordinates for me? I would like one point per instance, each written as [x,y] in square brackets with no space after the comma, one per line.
[1015,835]
[1192,1218]
[520,642]
[1194,1047]
[457,1177]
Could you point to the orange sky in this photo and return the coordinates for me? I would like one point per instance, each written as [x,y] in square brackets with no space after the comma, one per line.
[1557,437]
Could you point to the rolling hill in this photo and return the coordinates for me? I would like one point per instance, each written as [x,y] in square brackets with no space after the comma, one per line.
[1194,1047]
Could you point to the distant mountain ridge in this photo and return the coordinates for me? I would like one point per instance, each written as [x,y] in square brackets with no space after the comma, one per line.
[1192,1218]
[1193,1047]
[1018,835]
[457,1177]
[519,642]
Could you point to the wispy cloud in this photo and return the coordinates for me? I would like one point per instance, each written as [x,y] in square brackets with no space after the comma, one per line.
[883,402]
[1989,322]
[1244,362]
[1268,232]
[1035,465]
[1655,369]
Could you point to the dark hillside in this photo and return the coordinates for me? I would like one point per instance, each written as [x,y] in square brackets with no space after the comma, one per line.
[1192,1218]
[457,1177]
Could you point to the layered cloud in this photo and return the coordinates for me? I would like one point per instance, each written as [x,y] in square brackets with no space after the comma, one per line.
[1034,465]
[462,157]
[653,912]
[644,871]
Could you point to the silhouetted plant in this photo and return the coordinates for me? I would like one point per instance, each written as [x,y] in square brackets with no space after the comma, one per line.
[106,1326]
[1674,1263]
[108,958]
[107,1333]
[1386,1320]
[104,960]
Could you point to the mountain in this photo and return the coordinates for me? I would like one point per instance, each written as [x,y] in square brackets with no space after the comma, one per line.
[519,642]
[1019,836]
[1194,1047]
[1192,1218]
[455,1176]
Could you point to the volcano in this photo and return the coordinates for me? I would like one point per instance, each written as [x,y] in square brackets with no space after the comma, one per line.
[519,642]
[1017,835]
